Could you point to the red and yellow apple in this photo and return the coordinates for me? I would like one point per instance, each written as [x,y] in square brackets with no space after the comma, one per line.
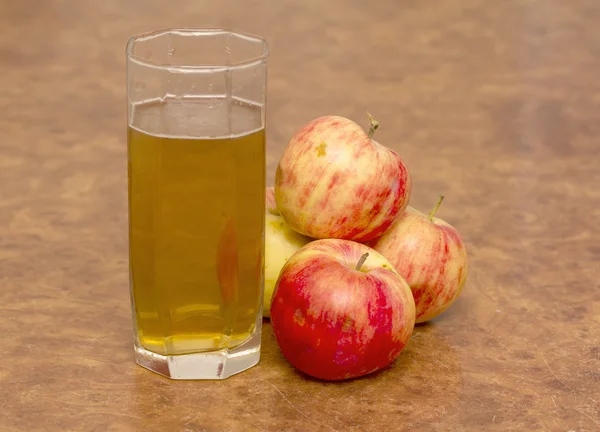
[340,310]
[281,242]
[335,181]
[431,255]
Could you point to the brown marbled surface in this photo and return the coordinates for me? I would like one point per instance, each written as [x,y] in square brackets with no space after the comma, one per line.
[495,104]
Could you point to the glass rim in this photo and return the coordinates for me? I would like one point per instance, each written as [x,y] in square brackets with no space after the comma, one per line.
[191,31]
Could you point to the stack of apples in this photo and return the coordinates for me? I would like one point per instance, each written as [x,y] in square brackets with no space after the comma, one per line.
[350,267]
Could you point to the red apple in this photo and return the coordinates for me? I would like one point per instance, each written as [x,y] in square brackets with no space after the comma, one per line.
[431,255]
[335,181]
[340,310]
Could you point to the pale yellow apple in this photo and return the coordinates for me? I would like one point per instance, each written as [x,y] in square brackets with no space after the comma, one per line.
[281,242]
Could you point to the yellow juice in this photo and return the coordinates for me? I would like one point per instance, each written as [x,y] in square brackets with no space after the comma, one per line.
[196,223]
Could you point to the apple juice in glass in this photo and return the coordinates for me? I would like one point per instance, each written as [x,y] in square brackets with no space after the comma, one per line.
[196,170]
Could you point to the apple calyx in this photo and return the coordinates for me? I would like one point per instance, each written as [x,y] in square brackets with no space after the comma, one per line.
[361,261]
[435,209]
[373,125]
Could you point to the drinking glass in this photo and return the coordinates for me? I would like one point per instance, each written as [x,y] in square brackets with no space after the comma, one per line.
[196,175]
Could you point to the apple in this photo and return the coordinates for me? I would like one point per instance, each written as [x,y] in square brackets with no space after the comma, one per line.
[281,242]
[335,181]
[431,255]
[340,310]
[270,200]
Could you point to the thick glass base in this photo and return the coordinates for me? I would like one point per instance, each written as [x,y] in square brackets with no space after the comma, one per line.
[198,366]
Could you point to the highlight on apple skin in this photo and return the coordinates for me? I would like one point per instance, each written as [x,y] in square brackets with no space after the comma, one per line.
[335,181]
[340,310]
[431,255]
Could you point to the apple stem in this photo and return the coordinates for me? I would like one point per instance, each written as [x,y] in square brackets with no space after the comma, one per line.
[374,125]
[361,261]
[435,209]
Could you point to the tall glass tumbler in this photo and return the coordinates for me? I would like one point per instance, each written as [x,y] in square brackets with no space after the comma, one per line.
[196,167]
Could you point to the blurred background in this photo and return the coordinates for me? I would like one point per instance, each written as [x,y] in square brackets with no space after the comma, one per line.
[438,75]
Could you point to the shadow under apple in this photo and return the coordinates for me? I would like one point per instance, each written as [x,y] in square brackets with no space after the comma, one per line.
[422,384]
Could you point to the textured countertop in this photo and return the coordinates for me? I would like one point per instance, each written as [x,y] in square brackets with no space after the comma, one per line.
[495,104]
